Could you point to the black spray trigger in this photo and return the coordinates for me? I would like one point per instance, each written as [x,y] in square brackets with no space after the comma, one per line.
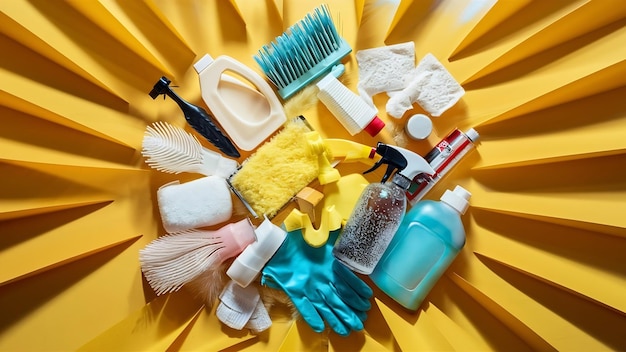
[390,156]
[374,167]
[390,169]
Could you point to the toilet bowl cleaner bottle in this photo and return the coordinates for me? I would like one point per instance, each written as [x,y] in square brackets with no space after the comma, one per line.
[428,239]
[379,210]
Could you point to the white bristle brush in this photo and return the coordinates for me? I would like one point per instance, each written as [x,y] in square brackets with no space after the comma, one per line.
[171,149]
[171,261]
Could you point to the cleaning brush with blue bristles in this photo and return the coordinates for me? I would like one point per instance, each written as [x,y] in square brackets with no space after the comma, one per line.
[308,50]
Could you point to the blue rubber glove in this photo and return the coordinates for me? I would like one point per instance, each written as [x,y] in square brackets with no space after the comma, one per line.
[321,288]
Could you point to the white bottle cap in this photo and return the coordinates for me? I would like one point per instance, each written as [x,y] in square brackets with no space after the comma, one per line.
[419,126]
[203,63]
[458,199]
[249,263]
[472,134]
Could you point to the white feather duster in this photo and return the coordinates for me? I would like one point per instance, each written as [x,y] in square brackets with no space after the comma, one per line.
[171,261]
[171,149]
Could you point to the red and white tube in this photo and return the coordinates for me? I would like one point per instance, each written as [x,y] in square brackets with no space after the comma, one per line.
[442,158]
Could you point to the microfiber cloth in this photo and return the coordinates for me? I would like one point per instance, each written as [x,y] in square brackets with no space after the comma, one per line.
[384,69]
[242,307]
[202,202]
[278,170]
[237,304]
[432,87]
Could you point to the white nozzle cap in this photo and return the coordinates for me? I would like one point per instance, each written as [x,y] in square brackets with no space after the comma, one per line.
[457,199]
[249,263]
[203,63]
[472,134]
[419,126]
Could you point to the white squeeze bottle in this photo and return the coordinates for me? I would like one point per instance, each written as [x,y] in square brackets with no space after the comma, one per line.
[429,238]
[379,210]
[354,114]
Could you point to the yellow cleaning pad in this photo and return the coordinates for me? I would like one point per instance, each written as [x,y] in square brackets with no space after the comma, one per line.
[278,170]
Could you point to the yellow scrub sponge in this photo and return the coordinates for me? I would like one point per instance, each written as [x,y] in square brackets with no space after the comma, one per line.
[278,170]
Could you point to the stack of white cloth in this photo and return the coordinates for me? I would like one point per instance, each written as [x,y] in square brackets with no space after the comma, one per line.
[391,69]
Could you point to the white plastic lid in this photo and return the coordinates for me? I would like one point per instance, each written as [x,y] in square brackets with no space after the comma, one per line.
[472,134]
[458,199]
[250,262]
[419,126]
[203,63]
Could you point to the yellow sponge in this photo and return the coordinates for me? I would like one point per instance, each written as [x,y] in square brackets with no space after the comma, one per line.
[278,170]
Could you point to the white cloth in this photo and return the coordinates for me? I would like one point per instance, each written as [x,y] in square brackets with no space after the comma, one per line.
[432,87]
[260,319]
[241,307]
[384,69]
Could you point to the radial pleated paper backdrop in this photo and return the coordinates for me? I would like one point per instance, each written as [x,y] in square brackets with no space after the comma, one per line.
[543,267]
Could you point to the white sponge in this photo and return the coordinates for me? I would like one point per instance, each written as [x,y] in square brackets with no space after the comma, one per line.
[202,202]
[384,69]
[432,87]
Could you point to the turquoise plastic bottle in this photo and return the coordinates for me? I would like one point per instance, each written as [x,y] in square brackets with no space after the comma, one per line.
[427,241]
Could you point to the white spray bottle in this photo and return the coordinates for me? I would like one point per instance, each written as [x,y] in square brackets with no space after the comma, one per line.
[379,210]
